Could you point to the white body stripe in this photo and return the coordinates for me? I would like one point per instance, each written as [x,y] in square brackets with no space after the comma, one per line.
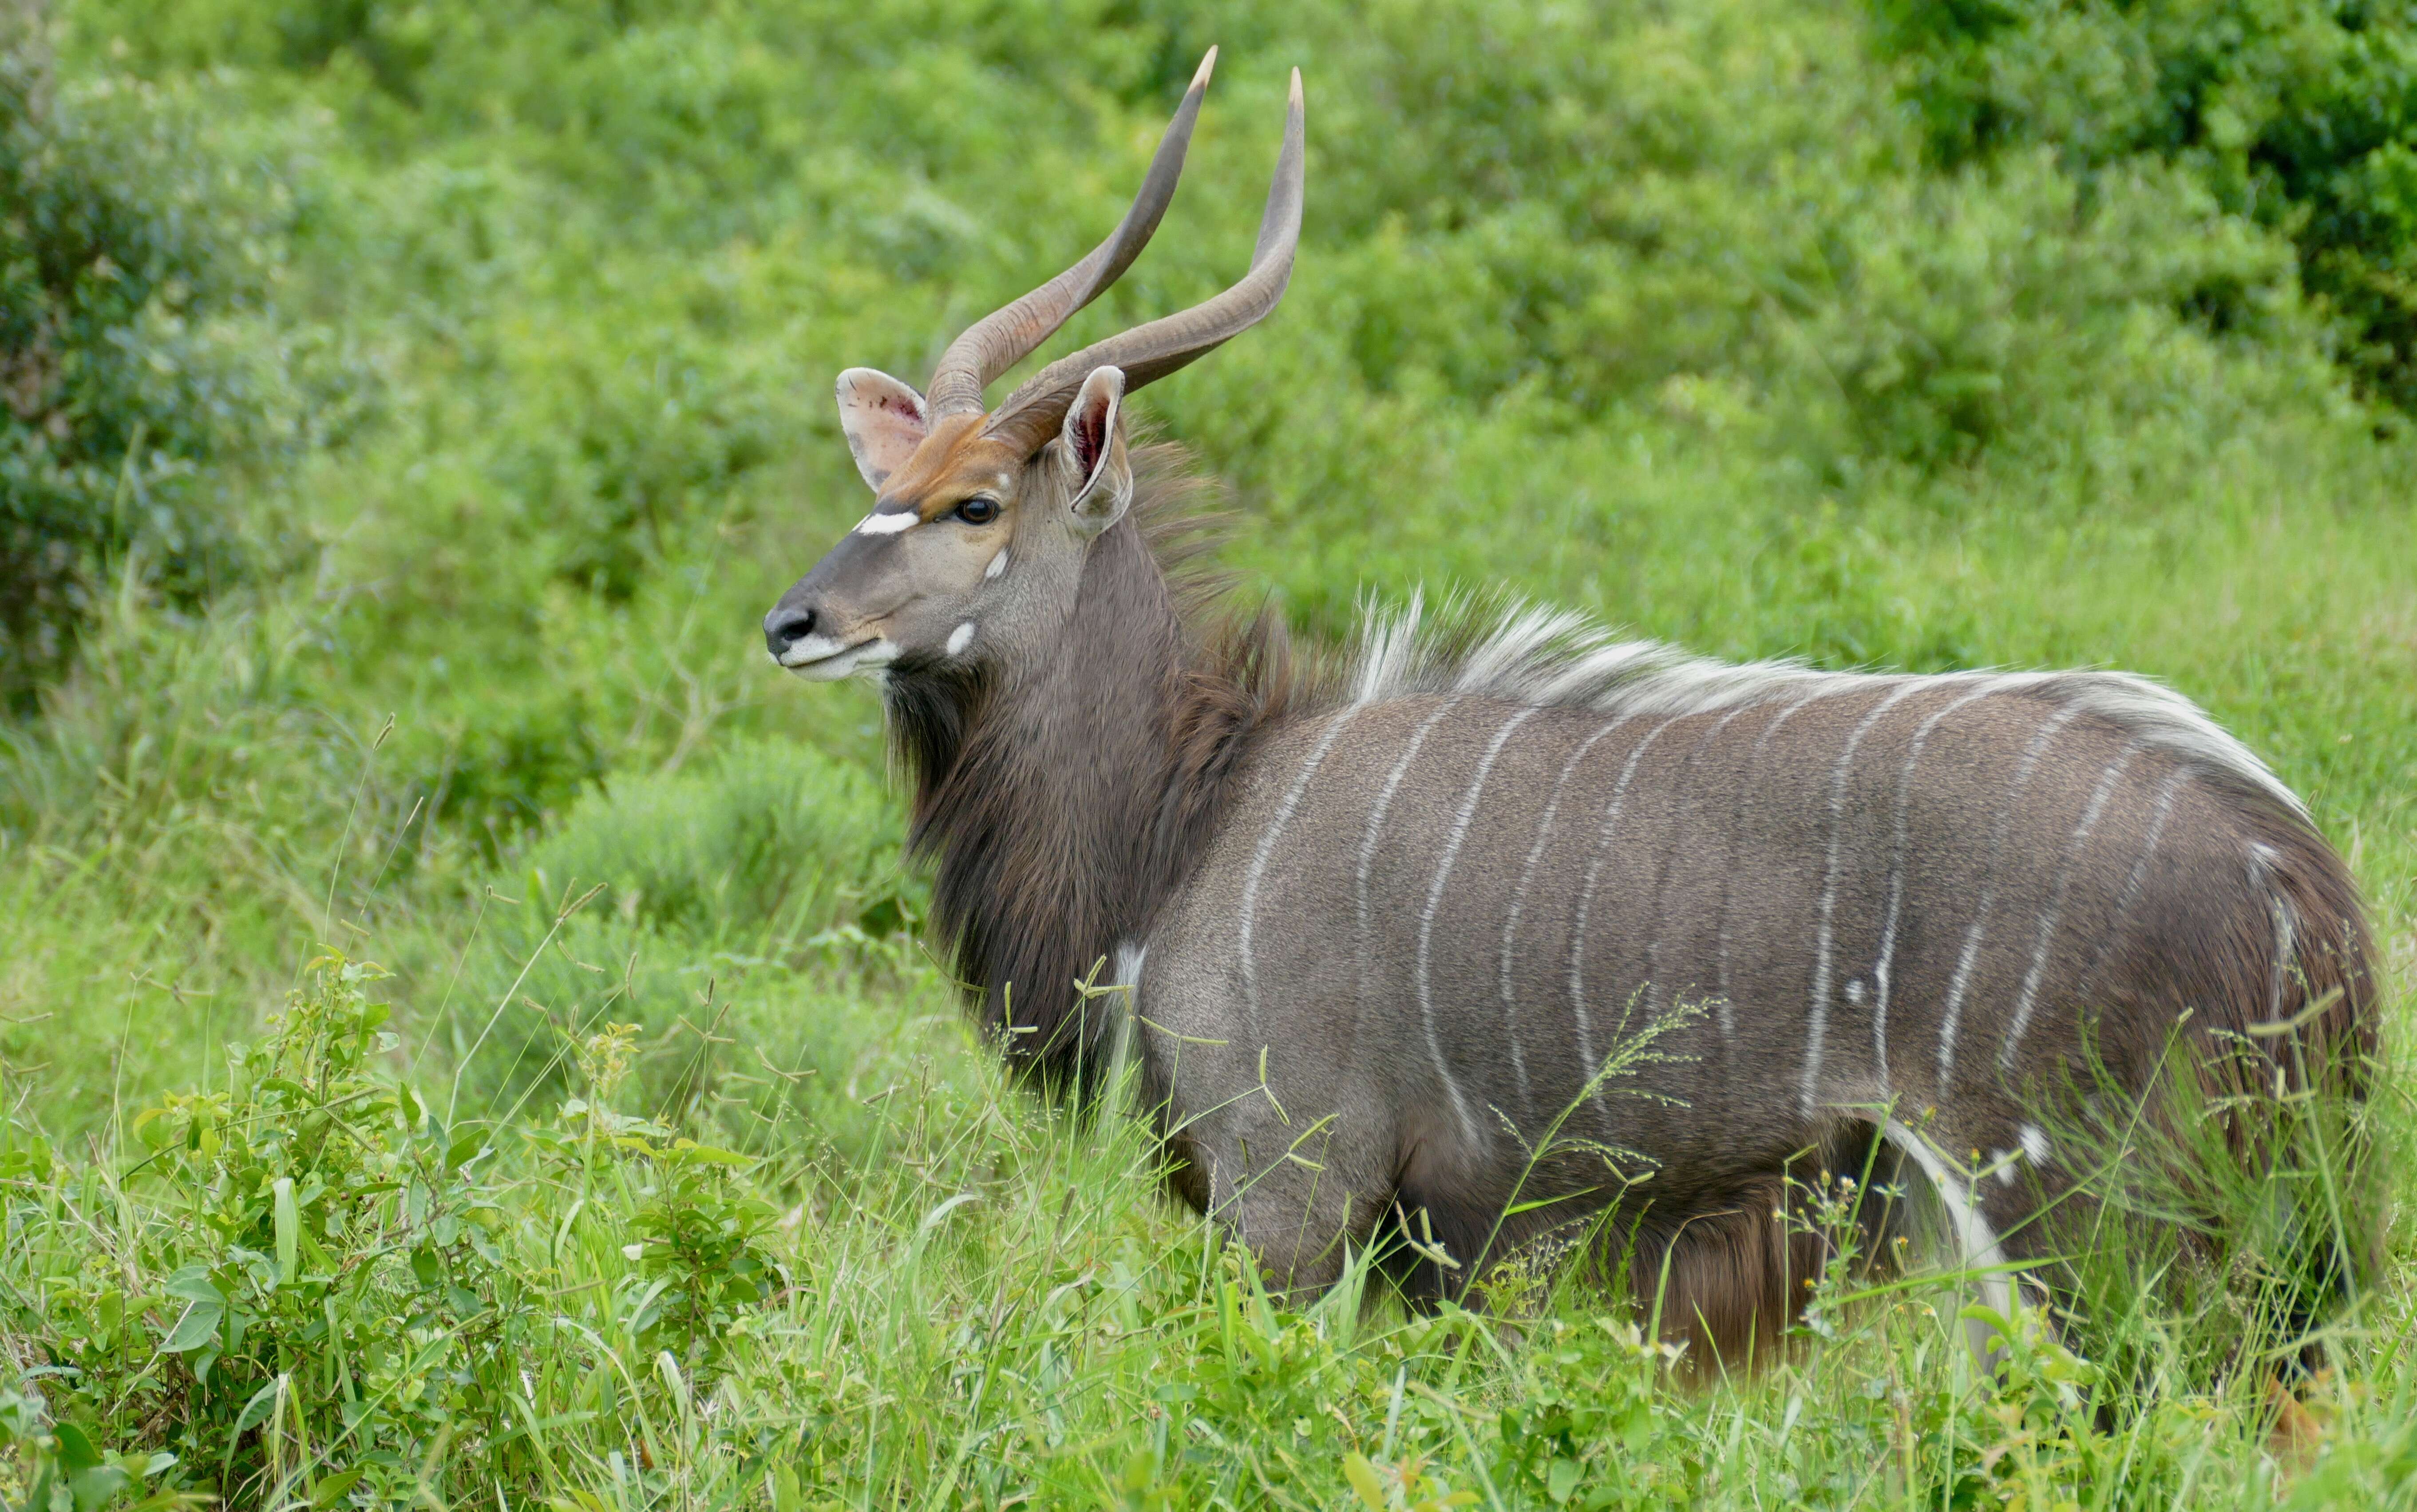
[1519,900]
[1653,984]
[2028,998]
[1882,968]
[2158,814]
[2163,811]
[1954,1012]
[2286,941]
[1468,1126]
[1376,828]
[1977,1242]
[1248,923]
[1127,1008]
[1728,880]
[1816,1027]
[2263,860]
[1586,899]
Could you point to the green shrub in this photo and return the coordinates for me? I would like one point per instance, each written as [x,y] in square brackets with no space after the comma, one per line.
[1677,314]
[128,253]
[307,1276]
[681,903]
[766,843]
[313,1286]
[2299,118]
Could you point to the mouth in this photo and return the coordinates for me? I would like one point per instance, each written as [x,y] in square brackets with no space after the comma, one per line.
[822,659]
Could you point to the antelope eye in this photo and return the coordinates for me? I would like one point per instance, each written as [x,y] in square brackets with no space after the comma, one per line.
[978,510]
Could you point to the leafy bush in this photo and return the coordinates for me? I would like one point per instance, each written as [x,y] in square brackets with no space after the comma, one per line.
[655,899]
[60,1466]
[126,385]
[766,843]
[1674,313]
[320,1283]
[313,1288]
[2299,118]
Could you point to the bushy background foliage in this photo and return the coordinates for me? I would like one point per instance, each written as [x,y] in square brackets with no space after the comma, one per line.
[2299,118]
[141,374]
[411,409]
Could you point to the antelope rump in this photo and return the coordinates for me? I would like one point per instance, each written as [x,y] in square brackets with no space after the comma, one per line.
[1496,925]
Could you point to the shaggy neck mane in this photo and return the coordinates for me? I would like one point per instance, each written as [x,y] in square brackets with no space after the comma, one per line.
[1063,799]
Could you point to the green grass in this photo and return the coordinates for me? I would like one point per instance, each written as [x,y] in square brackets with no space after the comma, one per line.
[1671,315]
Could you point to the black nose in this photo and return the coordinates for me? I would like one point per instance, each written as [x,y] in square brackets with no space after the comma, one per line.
[786,625]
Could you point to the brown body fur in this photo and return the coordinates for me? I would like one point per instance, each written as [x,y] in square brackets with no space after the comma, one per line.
[1066,807]
[1950,928]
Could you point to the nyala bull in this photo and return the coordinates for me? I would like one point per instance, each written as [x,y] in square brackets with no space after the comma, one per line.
[1490,924]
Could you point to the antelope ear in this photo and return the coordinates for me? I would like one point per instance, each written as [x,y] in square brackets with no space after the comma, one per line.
[883,420]
[1094,440]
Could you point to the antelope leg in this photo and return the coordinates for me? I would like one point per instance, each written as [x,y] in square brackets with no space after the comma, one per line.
[1289,1194]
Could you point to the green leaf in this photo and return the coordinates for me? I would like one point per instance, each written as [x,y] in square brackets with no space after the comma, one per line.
[197,1328]
[331,1487]
[147,1127]
[289,1231]
[255,1412]
[98,1486]
[75,1449]
[1562,1479]
[465,1150]
[691,1150]
[1362,1476]
[205,1304]
[193,1284]
[932,1219]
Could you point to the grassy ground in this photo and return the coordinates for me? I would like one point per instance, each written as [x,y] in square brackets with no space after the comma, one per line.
[1672,316]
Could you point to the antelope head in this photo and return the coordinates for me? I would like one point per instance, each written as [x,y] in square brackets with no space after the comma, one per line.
[982,517]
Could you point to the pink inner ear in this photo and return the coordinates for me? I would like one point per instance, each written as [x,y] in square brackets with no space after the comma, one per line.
[883,421]
[1091,437]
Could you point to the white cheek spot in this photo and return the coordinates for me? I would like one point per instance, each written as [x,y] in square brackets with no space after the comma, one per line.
[998,564]
[887,521]
[961,637]
[2034,1144]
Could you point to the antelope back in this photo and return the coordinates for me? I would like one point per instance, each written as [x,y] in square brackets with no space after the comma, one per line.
[1682,923]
